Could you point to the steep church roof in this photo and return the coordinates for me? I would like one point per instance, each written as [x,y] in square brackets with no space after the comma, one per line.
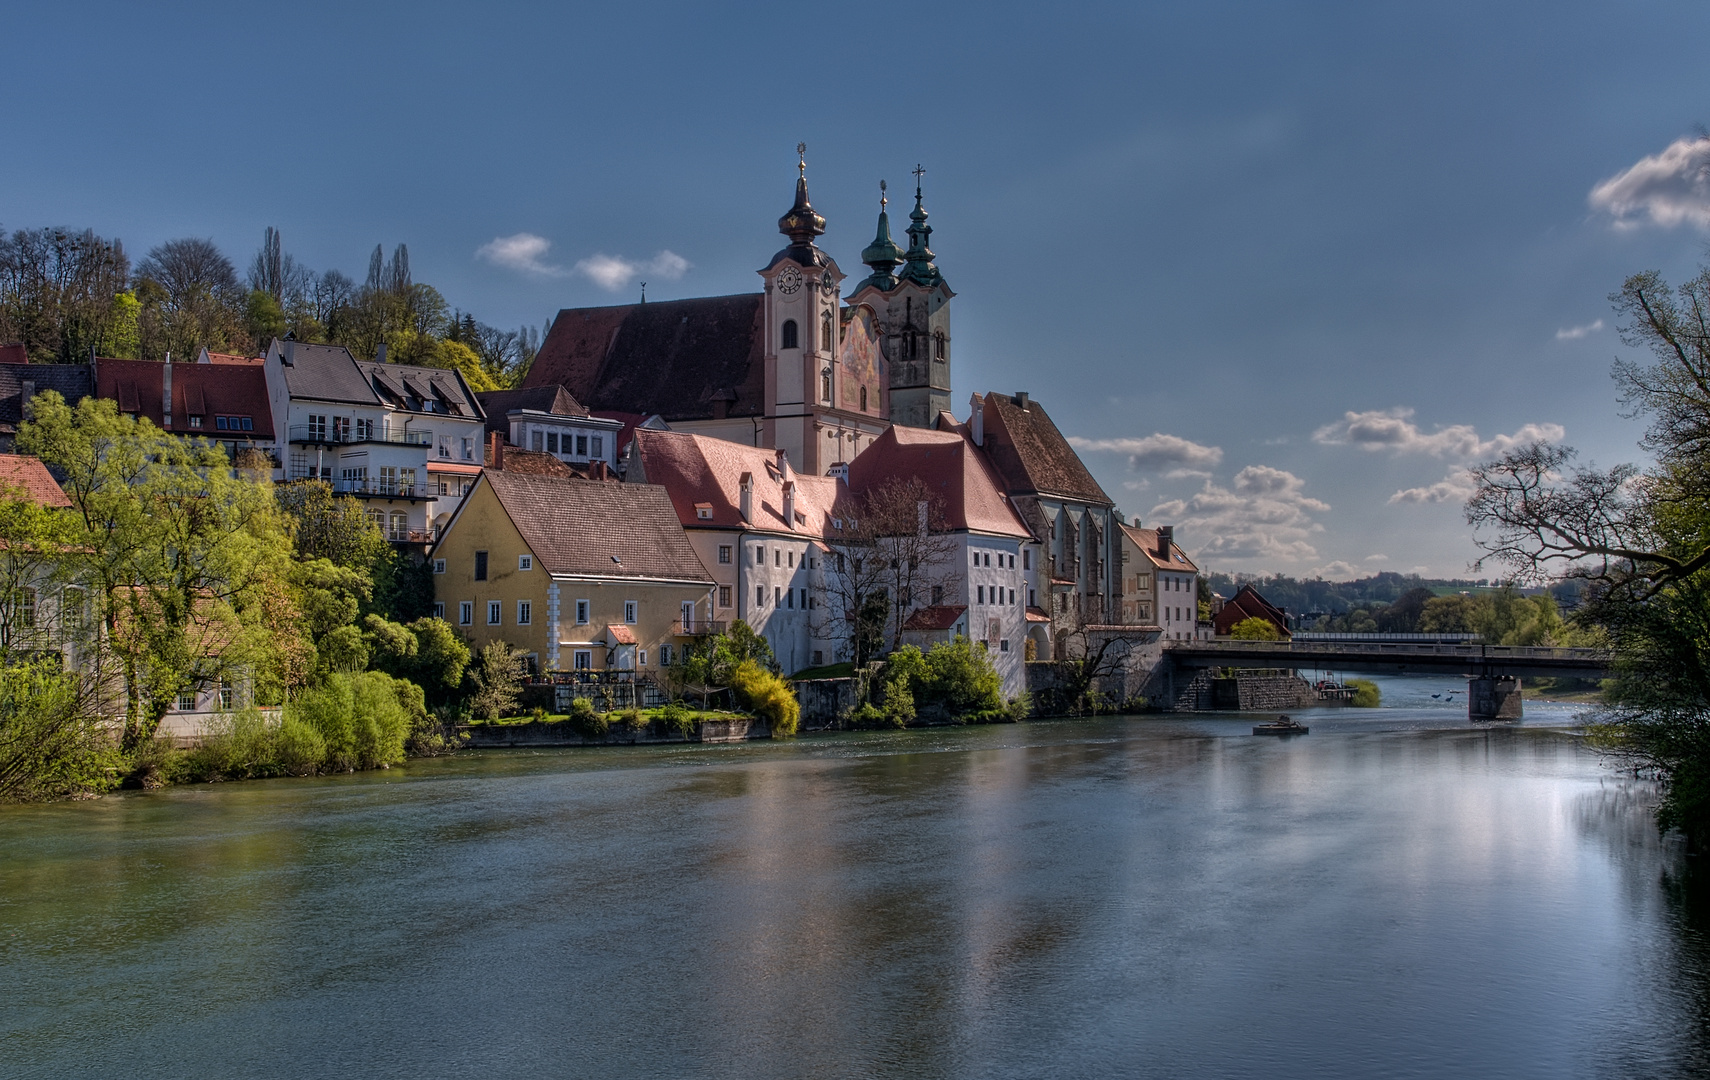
[676,358]
[1032,455]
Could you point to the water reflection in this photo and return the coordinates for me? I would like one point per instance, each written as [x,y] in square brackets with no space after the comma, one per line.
[1399,894]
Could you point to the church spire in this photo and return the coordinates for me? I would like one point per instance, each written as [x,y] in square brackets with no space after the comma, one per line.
[801,224]
[920,269]
[882,254]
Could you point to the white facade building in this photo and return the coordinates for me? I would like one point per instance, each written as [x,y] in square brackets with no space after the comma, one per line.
[407,440]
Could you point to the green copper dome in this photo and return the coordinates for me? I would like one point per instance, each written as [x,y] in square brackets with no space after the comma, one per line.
[883,255]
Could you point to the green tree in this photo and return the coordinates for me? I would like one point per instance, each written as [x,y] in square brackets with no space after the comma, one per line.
[1255,629]
[1638,540]
[120,339]
[179,549]
[497,674]
[264,318]
[426,651]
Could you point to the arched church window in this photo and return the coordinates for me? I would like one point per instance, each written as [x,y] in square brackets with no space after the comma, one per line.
[863,399]
[825,386]
[788,340]
[938,345]
[825,341]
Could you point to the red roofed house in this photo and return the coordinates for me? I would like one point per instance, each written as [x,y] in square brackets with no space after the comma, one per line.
[226,403]
[1248,604]
[759,527]
[1160,584]
[581,576]
[993,543]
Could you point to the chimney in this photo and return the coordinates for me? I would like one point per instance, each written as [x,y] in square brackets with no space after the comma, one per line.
[783,463]
[746,503]
[29,387]
[977,420]
[1021,400]
[166,393]
[496,450]
[288,353]
[1166,537]
[789,502]
[380,354]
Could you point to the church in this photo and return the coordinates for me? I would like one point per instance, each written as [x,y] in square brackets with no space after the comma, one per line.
[795,367]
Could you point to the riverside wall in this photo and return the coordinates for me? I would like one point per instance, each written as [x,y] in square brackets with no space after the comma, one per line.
[560,733]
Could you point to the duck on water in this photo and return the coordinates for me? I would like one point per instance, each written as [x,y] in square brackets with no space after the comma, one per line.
[1282,725]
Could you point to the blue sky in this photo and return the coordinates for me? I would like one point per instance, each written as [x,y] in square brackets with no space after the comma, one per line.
[1274,265]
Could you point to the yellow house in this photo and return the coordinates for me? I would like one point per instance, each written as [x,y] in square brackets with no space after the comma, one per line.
[581,575]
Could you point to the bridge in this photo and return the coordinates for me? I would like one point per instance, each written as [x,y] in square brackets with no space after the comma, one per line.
[1493,672]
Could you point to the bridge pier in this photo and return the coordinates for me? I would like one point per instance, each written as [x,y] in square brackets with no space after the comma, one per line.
[1493,697]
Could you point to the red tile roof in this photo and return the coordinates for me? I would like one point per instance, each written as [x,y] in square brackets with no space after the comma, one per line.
[1032,455]
[533,462]
[596,530]
[698,469]
[620,633]
[201,390]
[1147,541]
[951,467]
[28,479]
[937,617]
[229,358]
[1248,604]
[676,358]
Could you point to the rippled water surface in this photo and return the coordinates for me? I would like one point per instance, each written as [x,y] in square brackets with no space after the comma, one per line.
[1397,894]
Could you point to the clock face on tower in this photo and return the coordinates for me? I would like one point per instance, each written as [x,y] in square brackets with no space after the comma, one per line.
[789,280]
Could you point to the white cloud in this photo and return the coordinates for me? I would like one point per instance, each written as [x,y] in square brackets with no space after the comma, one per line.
[1377,558]
[1156,451]
[1458,486]
[1668,189]
[1136,485]
[1264,514]
[523,251]
[1187,474]
[1574,333]
[1336,571]
[1393,430]
[613,272]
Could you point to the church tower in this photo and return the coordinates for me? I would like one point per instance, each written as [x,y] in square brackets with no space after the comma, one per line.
[825,385]
[912,305]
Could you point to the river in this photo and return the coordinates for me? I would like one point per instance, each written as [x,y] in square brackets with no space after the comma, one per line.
[1397,894]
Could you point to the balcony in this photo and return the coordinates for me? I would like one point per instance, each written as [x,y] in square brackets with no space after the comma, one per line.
[370,488]
[696,627]
[410,536]
[337,435]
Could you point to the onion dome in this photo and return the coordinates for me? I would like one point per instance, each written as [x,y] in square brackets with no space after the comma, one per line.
[920,269]
[883,254]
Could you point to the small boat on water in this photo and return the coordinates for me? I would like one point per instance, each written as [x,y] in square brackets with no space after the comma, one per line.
[1282,725]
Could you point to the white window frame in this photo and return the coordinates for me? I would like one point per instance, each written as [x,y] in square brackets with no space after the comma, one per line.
[525,562]
[466,613]
[582,660]
[641,658]
[525,612]
[583,609]
[439,567]
[495,612]
[631,612]
[439,609]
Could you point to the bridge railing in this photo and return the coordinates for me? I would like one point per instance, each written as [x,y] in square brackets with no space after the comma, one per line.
[1382,648]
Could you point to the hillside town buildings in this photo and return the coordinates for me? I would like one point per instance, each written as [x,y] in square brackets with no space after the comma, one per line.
[667,468]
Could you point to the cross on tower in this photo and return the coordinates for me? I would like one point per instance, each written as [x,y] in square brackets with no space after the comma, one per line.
[919,171]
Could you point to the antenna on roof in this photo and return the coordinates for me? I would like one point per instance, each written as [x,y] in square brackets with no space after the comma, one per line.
[644,292]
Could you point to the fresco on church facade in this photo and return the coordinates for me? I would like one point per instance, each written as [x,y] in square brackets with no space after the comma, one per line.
[860,363]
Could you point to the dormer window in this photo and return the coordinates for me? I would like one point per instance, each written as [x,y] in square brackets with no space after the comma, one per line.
[788,339]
